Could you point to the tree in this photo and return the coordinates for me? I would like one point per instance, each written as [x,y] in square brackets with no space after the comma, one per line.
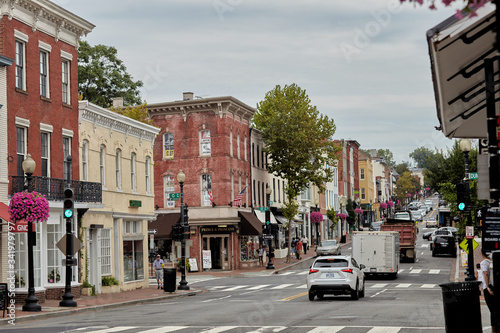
[137,112]
[103,76]
[387,155]
[298,141]
[422,157]
[405,185]
[402,167]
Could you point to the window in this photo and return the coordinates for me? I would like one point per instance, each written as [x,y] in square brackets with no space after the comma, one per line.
[66,153]
[238,145]
[206,189]
[54,255]
[253,154]
[20,65]
[245,148]
[258,156]
[65,81]
[45,154]
[133,178]
[253,190]
[279,193]
[258,192]
[21,149]
[169,187]
[44,74]
[133,258]
[231,143]
[362,174]
[168,143]
[148,175]
[118,162]
[102,165]
[85,160]
[205,144]
[363,196]
[274,189]
[106,251]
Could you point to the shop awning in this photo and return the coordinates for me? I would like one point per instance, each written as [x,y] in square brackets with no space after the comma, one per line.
[250,224]
[262,217]
[281,219]
[4,212]
[163,224]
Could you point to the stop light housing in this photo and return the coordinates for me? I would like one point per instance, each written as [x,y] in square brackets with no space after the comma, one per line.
[461,196]
[176,232]
[68,203]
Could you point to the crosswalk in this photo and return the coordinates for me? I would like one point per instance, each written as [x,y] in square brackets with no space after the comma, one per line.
[255,329]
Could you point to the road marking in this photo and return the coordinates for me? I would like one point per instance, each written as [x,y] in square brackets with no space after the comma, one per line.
[219,329]
[164,329]
[215,299]
[403,285]
[302,286]
[326,329]
[430,286]
[376,294]
[234,288]
[286,273]
[434,271]
[303,273]
[401,270]
[217,287]
[379,285]
[384,330]
[295,296]
[281,286]
[267,329]
[115,329]
[258,287]
[424,245]
[415,271]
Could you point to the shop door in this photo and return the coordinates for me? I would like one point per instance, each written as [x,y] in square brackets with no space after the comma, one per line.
[215,248]
[219,251]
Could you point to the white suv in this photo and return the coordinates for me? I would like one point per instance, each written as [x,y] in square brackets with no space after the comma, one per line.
[336,275]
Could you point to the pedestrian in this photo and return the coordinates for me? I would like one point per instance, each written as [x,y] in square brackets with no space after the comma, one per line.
[479,275]
[261,255]
[298,248]
[292,250]
[158,265]
[305,242]
[487,286]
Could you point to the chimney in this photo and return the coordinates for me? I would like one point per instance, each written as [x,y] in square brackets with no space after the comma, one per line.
[118,102]
[187,96]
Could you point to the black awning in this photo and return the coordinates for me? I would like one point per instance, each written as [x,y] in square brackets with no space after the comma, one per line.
[250,225]
[164,223]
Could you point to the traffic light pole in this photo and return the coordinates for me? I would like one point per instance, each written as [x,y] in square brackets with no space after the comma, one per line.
[470,257]
[183,284]
[270,261]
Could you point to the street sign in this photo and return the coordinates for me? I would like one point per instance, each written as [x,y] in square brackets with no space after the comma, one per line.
[268,236]
[174,196]
[464,245]
[490,231]
[473,175]
[77,245]
[469,232]
[262,209]
[271,202]
[153,232]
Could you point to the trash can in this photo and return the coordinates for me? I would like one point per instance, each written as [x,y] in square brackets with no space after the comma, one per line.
[462,310]
[169,275]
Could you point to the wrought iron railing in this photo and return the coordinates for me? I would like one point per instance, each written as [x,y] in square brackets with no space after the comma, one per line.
[53,188]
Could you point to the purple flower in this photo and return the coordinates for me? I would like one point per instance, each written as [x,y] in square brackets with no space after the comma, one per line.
[29,207]
[316,217]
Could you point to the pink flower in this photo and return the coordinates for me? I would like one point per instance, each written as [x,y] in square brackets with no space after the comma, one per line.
[316,217]
[29,206]
[342,215]
[383,205]
[358,211]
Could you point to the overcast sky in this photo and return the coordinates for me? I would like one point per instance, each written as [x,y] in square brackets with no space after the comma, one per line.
[363,63]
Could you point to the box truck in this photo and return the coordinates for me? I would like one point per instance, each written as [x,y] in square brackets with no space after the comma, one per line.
[377,250]
[407,237]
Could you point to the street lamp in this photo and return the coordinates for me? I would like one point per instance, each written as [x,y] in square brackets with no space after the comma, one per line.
[343,203]
[358,205]
[181,177]
[31,304]
[270,262]
[465,146]
[318,236]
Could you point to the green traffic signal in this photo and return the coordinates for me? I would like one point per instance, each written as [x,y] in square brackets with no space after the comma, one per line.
[68,213]
[461,206]
[68,203]
[267,222]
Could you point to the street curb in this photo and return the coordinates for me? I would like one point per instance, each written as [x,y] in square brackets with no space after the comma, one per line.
[58,313]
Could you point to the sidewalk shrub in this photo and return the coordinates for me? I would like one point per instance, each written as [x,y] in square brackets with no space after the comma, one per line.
[109,281]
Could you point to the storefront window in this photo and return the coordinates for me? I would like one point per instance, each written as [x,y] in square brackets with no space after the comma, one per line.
[249,248]
[133,260]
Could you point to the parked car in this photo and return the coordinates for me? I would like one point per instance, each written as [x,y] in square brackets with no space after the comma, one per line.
[444,244]
[336,275]
[328,248]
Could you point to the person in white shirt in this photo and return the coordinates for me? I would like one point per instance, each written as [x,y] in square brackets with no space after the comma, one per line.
[305,242]
[158,265]
[487,286]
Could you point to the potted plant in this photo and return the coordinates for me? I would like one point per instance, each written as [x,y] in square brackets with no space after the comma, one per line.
[54,276]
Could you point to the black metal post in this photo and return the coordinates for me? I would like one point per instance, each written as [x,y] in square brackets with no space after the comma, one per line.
[270,261]
[470,258]
[183,283]
[68,297]
[491,123]
[31,304]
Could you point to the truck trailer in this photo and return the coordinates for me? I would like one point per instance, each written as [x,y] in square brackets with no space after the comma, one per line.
[407,237]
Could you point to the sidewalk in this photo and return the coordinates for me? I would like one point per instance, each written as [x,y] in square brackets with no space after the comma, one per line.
[51,308]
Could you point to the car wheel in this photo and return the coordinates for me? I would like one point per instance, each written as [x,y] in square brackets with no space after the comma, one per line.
[362,292]
[355,292]
[311,296]
[320,296]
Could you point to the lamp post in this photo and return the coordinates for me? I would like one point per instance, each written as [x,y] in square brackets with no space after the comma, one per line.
[358,205]
[270,262]
[343,203]
[465,146]
[31,304]
[318,237]
[181,177]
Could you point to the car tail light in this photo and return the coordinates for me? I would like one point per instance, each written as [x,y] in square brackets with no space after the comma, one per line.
[347,270]
[312,270]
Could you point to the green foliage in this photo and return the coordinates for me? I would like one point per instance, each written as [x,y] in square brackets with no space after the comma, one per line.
[351,217]
[404,185]
[402,167]
[103,76]
[387,155]
[332,216]
[422,157]
[86,284]
[138,112]
[109,281]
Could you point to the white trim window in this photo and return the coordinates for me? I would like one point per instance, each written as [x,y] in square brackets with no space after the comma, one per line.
[168,143]
[21,133]
[66,153]
[168,187]
[363,195]
[44,74]
[205,142]
[106,251]
[147,174]
[85,160]
[238,149]
[133,173]
[45,153]
[20,65]
[118,169]
[65,81]
[54,255]
[102,165]
[245,148]
[362,174]
[206,189]
[231,143]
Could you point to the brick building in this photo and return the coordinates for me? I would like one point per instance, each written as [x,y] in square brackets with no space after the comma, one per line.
[208,139]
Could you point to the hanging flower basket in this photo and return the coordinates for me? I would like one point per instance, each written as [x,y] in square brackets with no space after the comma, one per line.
[29,207]
[358,211]
[342,215]
[390,203]
[316,217]
[383,205]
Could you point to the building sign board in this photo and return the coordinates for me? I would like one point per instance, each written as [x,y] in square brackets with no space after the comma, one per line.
[490,230]
[21,226]
[216,229]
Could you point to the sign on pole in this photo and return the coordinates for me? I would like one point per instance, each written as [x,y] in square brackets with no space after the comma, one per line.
[464,245]
[473,175]
[469,232]
[77,245]
[174,196]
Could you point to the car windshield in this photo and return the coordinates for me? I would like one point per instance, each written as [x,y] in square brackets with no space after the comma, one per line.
[443,239]
[442,232]
[327,263]
[329,243]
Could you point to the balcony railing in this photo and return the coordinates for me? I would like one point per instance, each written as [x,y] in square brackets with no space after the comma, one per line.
[53,188]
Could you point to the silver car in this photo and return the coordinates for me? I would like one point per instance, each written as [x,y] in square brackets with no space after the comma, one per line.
[336,275]
[328,248]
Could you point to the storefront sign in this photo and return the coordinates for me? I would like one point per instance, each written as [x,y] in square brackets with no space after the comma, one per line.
[135,203]
[20,226]
[215,229]
[490,229]
[207,259]
[193,264]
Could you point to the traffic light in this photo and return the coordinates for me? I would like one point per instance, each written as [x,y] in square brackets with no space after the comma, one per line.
[68,203]
[177,232]
[185,208]
[461,196]
[186,232]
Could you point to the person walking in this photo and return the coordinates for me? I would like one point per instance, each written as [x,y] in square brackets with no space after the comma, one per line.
[479,276]
[292,250]
[305,242]
[487,286]
[298,248]
[261,255]
[158,265]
